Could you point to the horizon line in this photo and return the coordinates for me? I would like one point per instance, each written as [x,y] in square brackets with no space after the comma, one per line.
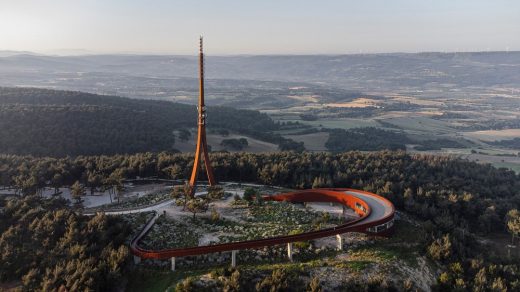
[38,53]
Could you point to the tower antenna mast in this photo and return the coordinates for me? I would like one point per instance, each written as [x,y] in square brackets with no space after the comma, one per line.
[202,147]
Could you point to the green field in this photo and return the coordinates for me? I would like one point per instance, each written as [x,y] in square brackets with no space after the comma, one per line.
[420,125]
[513,166]
[312,142]
[214,141]
[344,123]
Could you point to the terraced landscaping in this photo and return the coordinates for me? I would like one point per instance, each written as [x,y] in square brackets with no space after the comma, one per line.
[269,219]
[170,234]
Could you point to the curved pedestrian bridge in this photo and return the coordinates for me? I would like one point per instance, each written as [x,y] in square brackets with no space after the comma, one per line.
[376,217]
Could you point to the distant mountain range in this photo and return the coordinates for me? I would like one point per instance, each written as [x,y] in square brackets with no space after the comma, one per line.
[8,53]
[266,82]
[489,67]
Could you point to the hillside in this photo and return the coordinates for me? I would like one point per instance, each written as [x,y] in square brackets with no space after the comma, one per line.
[450,235]
[58,123]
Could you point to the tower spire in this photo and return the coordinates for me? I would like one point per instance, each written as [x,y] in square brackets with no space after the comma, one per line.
[202,147]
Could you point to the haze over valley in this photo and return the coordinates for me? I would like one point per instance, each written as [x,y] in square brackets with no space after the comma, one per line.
[466,101]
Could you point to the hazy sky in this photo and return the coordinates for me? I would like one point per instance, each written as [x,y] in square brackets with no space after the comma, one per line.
[259,26]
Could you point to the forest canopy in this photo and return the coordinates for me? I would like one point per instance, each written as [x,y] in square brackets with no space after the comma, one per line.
[44,122]
[366,139]
[441,189]
[456,201]
[50,247]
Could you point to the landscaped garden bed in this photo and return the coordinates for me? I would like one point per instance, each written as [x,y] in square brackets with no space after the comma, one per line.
[143,201]
[168,233]
[270,219]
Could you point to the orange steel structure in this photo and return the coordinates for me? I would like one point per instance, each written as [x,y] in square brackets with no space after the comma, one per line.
[365,206]
[202,147]
[376,214]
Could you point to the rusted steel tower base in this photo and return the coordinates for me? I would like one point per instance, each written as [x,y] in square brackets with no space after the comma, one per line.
[202,147]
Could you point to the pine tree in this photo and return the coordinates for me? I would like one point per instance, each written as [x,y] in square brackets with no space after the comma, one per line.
[513,223]
[77,191]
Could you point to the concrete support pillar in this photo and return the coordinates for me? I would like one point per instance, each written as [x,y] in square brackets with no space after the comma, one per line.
[137,260]
[289,251]
[340,241]
[173,264]
[233,258]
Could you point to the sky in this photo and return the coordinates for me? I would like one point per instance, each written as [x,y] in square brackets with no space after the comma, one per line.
[258,26]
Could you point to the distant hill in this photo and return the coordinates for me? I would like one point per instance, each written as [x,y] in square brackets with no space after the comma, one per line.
[58,123]
[9,53]
[354,71]
[266,82]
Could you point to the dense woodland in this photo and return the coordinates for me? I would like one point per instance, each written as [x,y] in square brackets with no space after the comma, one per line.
[44,122]
[438,144]
[235,144]
[457,200]
[366,139]
[513,143]
[444,189]
[49,247]
[374,139]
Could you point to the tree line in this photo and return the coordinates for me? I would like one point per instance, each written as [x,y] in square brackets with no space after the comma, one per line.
[366,139]
[374,139]
[513,143]
[446,190]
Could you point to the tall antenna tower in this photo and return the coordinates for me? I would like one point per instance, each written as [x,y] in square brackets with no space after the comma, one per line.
[202,147]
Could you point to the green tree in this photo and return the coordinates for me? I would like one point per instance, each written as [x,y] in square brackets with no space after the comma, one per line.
[315,285]
[177,192]
[186,285]
[119,191]
[513,223]
[116,181]
[57,182]
[182,195]
[232,283]
[279,280]
[259,199]
[249,194]
[441,249]
[175,171]
[77,191]
[215,192]
[76,253]
[94,181]
[215,216]
[197,205]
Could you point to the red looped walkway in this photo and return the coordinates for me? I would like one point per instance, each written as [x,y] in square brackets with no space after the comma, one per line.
[376,217]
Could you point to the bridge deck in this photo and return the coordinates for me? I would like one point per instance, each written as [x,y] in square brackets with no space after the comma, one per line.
[380,207]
